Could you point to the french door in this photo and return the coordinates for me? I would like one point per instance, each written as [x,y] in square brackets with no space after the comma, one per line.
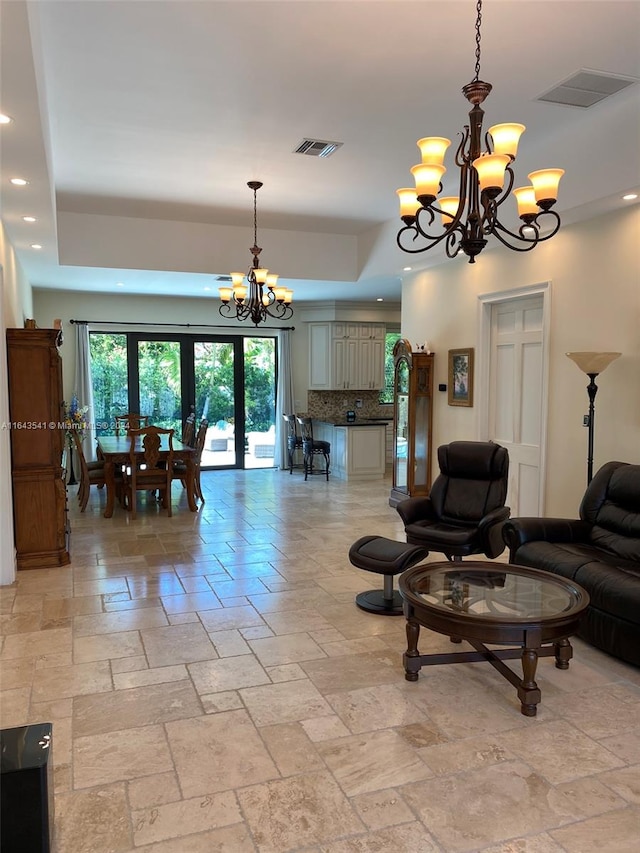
[229,380]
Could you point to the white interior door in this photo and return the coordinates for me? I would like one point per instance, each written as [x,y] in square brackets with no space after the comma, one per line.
[516,410]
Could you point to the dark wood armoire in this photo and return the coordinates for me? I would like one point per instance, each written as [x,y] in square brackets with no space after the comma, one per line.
[37,443]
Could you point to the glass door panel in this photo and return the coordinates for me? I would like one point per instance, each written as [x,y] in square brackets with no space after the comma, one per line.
[260,402]
[110,381]
[214,369]
[160,383]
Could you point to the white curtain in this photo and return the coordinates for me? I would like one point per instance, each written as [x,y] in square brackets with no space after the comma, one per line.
[83,386]
[284,398]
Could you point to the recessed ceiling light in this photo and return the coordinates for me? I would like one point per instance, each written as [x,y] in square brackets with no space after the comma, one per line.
[629,196]
[207,288]
[406,269]
[29,219]
[119,283]
[36,246]
[19,182]
[5,119]
[379,299]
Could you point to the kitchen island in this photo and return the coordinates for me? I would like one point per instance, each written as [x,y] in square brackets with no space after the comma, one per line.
[357,447]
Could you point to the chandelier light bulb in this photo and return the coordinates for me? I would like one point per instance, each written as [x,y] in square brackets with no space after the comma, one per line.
[449,204]
[433,149]
[225,294]
[490,169]
[288,297]
[427,178]
[240,293]
[272,280]
[409,204]
[506,137]
[526,199]
[545,184]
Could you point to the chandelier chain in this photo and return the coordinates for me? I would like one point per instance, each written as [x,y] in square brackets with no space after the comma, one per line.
[255,217]
[478,23]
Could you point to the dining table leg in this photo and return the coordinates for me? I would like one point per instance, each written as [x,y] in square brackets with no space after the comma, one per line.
[110,483]
[190,481]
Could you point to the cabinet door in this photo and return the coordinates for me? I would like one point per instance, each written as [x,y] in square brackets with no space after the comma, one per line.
[371,331]
[345,330]
[320,351]
[345,361]
[371,364]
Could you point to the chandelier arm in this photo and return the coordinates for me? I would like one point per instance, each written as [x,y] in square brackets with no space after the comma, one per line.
[461,158]
[450,226]
[526,243]
[433,240]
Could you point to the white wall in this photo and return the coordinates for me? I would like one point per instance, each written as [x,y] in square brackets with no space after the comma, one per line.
[594,270]
[15,306]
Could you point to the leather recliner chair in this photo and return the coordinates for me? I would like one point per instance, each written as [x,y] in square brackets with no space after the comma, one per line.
[465,510]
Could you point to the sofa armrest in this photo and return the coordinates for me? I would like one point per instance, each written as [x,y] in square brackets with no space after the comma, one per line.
[415,509]
[517,531]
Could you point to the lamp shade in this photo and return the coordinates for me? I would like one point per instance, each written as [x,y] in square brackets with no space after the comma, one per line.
[526,198]
[449,204]
[545,183]
[490,169]
[593,362]
[433,149]
[506,138]
[427,178]
[409,204]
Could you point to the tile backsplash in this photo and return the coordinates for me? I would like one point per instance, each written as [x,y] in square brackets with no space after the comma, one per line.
[333,405]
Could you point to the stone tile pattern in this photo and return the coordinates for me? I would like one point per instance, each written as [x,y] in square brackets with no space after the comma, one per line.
[213,687]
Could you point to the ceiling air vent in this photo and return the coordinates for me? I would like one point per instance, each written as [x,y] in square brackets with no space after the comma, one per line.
[586,88]
[223,278]
[317,147]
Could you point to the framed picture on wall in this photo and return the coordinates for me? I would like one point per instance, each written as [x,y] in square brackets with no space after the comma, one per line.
[460,383]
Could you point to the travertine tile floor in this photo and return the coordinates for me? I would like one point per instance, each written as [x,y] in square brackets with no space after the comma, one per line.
[213,687]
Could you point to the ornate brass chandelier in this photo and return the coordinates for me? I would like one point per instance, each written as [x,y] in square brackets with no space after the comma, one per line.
[469,218]
[265,298]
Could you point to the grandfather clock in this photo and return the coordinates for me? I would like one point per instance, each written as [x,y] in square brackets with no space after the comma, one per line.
[413,404]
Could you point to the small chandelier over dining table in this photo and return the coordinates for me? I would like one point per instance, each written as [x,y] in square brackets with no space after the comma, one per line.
[265,298]
[467,219]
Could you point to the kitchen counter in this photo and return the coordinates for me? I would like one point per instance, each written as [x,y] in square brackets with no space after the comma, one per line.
[358,448]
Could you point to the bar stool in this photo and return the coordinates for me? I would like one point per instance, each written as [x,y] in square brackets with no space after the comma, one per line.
[312,447]
[294,441]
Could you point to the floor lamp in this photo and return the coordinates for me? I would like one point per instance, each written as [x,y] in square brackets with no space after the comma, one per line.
[592,363]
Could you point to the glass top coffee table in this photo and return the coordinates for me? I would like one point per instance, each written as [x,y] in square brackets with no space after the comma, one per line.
[496,604]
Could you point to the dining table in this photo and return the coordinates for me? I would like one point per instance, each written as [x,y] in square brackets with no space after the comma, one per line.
[115,451]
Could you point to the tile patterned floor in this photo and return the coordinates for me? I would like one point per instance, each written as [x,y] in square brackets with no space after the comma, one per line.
[213,687]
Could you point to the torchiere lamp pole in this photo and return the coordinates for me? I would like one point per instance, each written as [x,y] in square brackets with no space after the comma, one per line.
[592,363]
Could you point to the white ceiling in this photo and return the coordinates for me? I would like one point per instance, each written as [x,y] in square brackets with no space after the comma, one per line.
[148,118]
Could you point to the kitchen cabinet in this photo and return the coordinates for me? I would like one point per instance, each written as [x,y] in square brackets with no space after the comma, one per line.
[358,451]
[413,409]
[346,356]
[37,442]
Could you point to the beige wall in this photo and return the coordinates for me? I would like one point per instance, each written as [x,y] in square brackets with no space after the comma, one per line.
[594,274]
[15,306]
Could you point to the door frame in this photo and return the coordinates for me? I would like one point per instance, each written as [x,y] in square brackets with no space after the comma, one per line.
[486,301]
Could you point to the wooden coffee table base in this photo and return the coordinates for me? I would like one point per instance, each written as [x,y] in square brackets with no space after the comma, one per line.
[528,690]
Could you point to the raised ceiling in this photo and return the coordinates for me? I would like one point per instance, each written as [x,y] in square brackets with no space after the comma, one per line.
[138,124]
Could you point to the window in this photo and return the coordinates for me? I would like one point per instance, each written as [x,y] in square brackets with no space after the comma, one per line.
[390,338]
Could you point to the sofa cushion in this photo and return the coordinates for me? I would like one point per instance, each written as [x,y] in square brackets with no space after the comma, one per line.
[613,584]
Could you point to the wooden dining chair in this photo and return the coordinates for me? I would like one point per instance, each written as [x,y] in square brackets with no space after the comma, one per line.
[180,467]
[91,474]
[147,469]
[189,430]
[131,420]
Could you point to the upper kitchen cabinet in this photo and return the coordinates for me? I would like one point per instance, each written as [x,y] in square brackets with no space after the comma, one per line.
[346,356]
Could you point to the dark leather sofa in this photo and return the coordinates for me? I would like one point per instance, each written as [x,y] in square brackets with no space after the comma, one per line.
[600,551]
